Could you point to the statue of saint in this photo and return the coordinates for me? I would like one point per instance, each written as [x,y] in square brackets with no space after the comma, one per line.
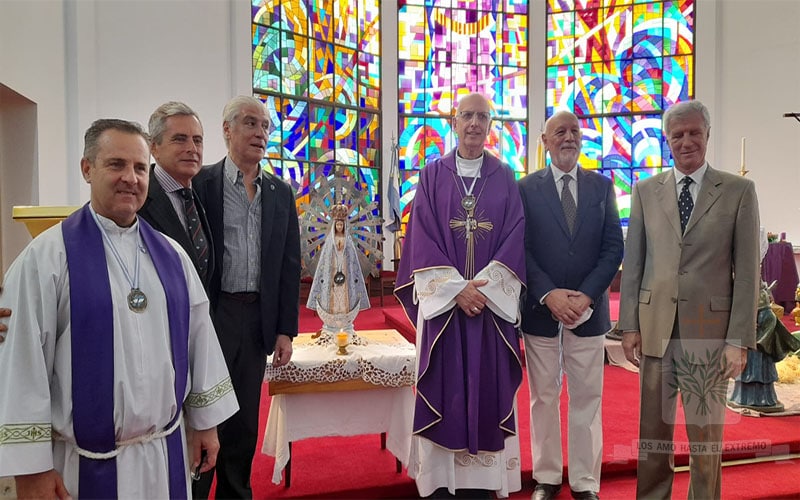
[754,389]
[338,291]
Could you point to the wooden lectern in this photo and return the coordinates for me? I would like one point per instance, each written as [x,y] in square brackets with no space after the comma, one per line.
[39,218]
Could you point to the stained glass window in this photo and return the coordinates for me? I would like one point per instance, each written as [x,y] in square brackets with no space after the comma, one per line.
[317,65]
[618,65]
[446,50]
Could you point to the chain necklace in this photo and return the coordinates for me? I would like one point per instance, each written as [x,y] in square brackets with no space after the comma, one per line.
[468,201]
[137,300]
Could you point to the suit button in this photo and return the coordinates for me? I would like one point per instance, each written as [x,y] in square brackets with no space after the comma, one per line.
[674,300]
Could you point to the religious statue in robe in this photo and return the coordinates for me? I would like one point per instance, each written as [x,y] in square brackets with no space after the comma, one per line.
[338,291]
[754,389]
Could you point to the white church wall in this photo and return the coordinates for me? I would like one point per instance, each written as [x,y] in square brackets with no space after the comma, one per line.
[748,74]
[32,64]
[80,60]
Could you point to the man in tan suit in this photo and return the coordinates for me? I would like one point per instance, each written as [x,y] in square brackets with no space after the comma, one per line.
[688,302]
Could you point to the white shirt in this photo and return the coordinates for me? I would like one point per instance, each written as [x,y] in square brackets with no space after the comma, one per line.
[558,177]
[694,187]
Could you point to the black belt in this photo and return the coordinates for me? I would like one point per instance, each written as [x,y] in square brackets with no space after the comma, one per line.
[240,296]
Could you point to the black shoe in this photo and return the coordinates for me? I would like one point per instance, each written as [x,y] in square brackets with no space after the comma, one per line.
[474,494]
[585,495]
[442,492]
[544,491]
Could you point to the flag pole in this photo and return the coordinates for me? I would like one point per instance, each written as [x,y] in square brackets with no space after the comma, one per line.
[394,198]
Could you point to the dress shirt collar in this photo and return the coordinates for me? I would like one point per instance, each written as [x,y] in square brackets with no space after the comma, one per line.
[168,183]
[558,173]
[697,176]
[233,173]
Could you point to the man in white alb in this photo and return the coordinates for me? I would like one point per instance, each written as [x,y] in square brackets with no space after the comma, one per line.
[111,353]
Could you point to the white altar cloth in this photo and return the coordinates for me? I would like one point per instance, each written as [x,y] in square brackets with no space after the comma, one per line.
[386,360]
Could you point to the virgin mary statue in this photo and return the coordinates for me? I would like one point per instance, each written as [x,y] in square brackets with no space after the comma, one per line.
[338,291]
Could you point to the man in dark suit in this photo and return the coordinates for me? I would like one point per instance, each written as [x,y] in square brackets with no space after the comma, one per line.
[573,248]
[688,300]
[172,206]
[255,292]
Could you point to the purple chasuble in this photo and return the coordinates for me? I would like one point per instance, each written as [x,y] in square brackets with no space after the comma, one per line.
[92,323]
[469,368]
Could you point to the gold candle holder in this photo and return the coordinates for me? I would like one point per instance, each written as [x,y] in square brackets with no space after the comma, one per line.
[341,341]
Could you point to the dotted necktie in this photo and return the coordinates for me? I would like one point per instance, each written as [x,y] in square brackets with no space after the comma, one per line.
[195,232]
[685,203]
[568,203]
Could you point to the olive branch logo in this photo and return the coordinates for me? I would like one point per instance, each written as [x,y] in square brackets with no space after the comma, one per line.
[699,378]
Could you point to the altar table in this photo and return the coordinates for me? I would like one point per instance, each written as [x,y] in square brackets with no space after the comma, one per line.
[319,393]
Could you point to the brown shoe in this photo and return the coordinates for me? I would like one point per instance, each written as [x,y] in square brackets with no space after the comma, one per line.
[544,491]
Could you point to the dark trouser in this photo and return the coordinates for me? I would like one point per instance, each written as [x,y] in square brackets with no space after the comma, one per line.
[704,425]
[238,324]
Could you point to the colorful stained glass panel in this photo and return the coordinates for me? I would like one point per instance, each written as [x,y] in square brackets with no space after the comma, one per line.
[294,64]
[448,49]
[266,13]
[412,84]
[369,26]
[321,71]
[512,40]
[306,52]
[321,19]
[345,68]
[369,145]
[345,23]
[295,125]
[369,68]
[322,134]
[618,64]
[412,28]
[294,16]
[266,58]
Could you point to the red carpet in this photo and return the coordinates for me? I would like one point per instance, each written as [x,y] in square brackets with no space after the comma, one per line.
[356,467]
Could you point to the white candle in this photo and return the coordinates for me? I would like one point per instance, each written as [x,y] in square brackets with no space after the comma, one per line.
[742,152]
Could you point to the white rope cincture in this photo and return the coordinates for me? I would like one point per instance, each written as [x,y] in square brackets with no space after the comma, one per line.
[120,445]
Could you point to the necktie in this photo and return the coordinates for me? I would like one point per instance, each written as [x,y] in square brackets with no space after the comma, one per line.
[685,203]
[195,232]
[568,203]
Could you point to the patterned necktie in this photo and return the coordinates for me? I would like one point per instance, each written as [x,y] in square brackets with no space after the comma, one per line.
[685,203]
[195,232]
[568,203]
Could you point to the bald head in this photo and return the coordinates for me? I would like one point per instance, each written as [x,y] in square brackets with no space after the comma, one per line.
[473,99]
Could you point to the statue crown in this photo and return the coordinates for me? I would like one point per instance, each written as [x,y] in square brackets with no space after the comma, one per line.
[339,212]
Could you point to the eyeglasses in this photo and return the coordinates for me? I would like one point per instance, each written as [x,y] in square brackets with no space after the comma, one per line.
[482,116]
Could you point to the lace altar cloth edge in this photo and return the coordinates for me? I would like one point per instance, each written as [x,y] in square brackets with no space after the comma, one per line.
[379,357]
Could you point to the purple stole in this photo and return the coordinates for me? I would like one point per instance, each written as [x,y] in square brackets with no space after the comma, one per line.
[92,316]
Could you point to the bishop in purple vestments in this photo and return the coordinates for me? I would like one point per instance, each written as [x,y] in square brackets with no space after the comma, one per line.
[459,280]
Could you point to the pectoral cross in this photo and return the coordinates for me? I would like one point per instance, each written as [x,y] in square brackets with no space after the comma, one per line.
[470,227]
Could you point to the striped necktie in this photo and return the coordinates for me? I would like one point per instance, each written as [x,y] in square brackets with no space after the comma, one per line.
[196,233]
